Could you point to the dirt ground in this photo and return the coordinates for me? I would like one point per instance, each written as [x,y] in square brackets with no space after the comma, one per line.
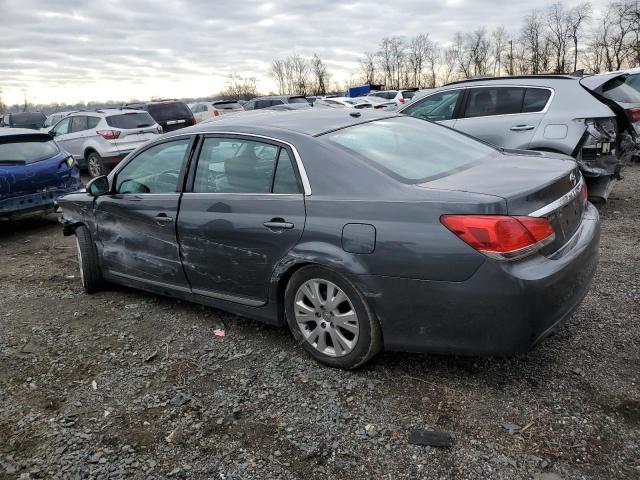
[123,384]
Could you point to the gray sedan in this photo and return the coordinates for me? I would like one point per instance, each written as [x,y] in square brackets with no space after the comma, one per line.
[358,230]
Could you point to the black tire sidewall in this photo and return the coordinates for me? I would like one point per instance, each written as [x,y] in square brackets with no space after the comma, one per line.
[368,335]
[92,278]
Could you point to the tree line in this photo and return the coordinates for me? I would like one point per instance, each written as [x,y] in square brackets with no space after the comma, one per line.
[552,40]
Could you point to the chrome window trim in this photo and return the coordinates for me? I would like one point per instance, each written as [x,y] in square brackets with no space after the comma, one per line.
[306,186]
[560,202]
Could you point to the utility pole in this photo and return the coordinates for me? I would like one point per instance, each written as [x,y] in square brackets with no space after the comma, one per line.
[511,57]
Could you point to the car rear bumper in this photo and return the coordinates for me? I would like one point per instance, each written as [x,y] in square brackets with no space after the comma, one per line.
[34,202]
[504,308]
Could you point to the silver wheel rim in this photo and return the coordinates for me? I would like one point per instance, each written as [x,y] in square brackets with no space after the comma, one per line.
[94,167]
[326,317]
[80,261]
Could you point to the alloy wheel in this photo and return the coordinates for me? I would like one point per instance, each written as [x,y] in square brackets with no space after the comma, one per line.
[326,317]
[80,261]
[94,167]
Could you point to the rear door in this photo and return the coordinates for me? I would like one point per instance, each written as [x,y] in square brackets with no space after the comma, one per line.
[504,116]
[136,223]
[244,212]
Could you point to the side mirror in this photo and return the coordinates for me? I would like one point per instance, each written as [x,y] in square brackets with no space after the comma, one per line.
[98,186]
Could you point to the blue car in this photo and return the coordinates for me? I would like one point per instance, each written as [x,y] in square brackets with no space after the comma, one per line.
[34,172]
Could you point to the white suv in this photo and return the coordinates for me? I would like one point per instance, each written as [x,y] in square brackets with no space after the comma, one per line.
[400,97]
[99,139]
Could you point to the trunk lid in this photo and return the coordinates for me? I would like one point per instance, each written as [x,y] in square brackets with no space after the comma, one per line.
[17,179]
[543,184]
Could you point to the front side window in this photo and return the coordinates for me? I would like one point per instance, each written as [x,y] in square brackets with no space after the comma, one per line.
[484,102]
[155,170]
[437,107]
[411,150]
[228,165]
[62,127]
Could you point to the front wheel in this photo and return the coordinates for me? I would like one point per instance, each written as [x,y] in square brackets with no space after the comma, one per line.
[88,260]
[330,318]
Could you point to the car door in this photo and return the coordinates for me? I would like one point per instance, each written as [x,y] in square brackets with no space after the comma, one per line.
[495,115]
[136,222]
[244,211]
[441,107]
[60,132]
[78,132]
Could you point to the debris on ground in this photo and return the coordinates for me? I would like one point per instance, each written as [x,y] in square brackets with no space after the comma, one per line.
[421,436]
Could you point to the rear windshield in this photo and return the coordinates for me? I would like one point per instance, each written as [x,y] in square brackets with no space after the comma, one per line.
[130,120]
[409,149]
[227,105]
[28,120]
[169,111]
[623,89]
[297,100]
[27,150]
[409,94]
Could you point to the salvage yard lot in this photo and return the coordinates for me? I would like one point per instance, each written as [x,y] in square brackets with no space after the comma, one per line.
[126,384]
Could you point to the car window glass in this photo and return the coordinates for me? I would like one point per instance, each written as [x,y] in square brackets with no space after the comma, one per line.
[63,127]
[78,123]
[622,89]
[235,166]
[92,122]
[436,107]
[483,102]
[411,150]
[285,178]
[155,170]
[535,99]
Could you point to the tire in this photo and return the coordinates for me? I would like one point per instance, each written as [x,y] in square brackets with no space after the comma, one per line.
[95,165]
[326,328]
[88,260]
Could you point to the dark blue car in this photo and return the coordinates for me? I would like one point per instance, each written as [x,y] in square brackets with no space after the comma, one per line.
[34,172]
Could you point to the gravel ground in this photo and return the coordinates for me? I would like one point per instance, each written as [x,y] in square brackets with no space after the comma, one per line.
[123,384]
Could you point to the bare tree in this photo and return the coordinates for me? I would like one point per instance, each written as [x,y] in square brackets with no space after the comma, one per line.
[577,18]
[368,68]
[421,54]
[558,36]
[277,72]
[462,55]
[532,36]
[240,87]
[449,64]
[478,47]
[498,48]
[320,74]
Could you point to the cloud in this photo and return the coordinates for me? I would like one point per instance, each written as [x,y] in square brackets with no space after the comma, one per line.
[74,50]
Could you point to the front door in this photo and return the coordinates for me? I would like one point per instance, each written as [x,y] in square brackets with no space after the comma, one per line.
[244,213]
[136,223]
[62,136]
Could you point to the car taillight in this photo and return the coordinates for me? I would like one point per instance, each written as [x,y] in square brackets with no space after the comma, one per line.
[193,120]
[108,134]
[402,100]
[633,114]
[215,112]
[584,193]
[501,237]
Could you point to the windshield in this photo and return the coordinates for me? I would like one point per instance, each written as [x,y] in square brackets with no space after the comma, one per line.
[130,120]
[28,120]
[169,111]
[27,150]
[624,89]
[409,149]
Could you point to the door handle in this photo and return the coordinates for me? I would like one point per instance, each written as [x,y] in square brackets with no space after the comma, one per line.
[162,219]
[278,224]
[521,128]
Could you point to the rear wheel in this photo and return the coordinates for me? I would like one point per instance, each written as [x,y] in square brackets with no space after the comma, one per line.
[96,165]
[330,318]
[88,260]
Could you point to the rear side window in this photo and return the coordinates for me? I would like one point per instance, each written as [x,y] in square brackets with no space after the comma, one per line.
[79,123]
[285,180]
[130,120]
[92,122]
[623,89]
[411,150]
[27,151]
[297,100]
[535,99]
[408,95]
[169,111]
[484,102]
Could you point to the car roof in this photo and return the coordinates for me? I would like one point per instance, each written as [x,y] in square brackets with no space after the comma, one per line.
[308,122]
[16,132]
[516,80]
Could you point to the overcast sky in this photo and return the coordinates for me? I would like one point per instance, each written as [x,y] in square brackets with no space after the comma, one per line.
[72,50]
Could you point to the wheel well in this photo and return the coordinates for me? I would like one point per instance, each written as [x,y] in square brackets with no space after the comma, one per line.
[88,152]
[282,286]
